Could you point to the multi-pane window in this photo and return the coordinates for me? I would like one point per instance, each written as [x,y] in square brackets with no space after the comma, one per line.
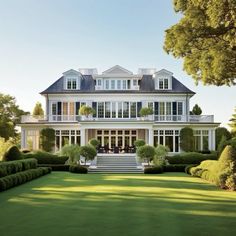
[99,82]
[119,84]
[107,84]
[54,109]
[125,109]
[133,109]
[180,108]
[113,84]
[124,84]
[166,85]
[163,83]
[119,109]
[135,82]
[100,109]
[107,110]
[113,110]
[71,83]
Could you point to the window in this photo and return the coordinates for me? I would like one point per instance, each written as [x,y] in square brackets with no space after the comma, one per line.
[107,110]
[112,84]
[100,109]
[99,82]
[124,84]
[125,109]
[166,86]
[107,84]
[135,82]
[133,110]
[119,84]
[54,109]
[119,109]
[180,108]
[71,83]
[161,85]
[113,110]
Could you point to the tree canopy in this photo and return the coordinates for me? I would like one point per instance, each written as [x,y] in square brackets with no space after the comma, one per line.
[38,110]
[10,115]
[196,110]
[232,123]
[205,37]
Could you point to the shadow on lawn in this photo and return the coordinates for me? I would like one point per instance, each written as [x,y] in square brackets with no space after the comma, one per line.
[119,205]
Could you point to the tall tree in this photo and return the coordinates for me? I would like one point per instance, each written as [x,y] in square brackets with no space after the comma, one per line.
[10,114]
[205,37]
[196,110]
[232,123]
[38,110]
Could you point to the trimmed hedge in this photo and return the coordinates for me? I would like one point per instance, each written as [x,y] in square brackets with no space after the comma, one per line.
[12,167]
[12,154]
[175,168]
[153,170]
[78,169]
[46,158]
[56,167]
[221,172]
[191,158]
[22,177]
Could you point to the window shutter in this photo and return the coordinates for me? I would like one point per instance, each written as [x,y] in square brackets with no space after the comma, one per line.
[59,108]
[139,106]
[156,108]
[94,106]
[77,107]
[174,104]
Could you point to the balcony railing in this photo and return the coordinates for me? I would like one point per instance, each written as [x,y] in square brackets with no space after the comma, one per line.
[155,118]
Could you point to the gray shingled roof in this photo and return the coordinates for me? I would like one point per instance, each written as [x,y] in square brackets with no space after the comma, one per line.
[88,86]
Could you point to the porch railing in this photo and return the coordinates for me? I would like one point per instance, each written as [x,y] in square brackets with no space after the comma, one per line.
[155,118]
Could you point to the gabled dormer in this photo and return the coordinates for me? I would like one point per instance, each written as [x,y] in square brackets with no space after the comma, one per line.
[163,80]
[72,80]
[117,70]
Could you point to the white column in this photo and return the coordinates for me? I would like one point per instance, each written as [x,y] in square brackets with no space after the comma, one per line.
[213,139]
[82,137]
[150,137]
[23,138]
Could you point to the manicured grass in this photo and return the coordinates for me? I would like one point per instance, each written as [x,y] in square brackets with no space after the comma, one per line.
[71,204]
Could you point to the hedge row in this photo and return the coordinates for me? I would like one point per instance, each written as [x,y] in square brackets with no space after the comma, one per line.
[175,168]
[12,167]
[22,177]
[46,158]
[78,169]
[221,172]
[153,170]
[56,167]
[191,158]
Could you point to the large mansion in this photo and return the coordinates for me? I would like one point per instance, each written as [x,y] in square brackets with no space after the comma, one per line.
[117,95]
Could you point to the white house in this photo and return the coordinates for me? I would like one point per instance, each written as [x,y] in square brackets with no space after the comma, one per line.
[117,95]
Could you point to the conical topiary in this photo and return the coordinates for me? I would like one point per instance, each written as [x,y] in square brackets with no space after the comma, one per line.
[228,159]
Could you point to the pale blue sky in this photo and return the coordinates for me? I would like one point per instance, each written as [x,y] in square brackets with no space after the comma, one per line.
[39,40]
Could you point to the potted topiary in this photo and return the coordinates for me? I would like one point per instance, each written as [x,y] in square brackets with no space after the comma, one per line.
[86,112]
[88,152]
[146,153]
[146,113]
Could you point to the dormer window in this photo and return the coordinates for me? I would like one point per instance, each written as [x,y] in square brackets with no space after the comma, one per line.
[163,83]
[71,83]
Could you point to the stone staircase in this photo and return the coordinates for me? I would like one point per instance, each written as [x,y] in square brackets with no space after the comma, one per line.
[116,164]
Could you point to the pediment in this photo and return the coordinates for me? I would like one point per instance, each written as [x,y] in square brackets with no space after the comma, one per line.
[164,72]
[117,70]
[71,72]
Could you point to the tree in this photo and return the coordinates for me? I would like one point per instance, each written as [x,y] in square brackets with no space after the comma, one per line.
[47,139]
[196,110]
[10,115]
[88,152]
[145,111]
[139,143]
[232,123]
[86,111]
[219,133]
[72,151]
[38,110]
[146,152]
[205,39]
[186,139]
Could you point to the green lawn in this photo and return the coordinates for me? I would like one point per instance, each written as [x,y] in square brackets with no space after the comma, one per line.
[95,204]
